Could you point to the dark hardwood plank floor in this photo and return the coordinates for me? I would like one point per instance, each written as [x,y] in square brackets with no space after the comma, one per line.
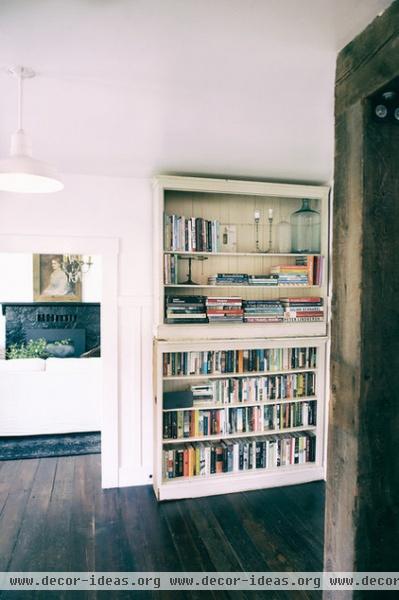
[54,516]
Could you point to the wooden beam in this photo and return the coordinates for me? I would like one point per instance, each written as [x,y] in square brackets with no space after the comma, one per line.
[362,511]
[369,61]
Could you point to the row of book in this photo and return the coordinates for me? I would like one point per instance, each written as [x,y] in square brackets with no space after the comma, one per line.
[235,456]
[254,389]
[170,269]
[229,279]
[215,362]
[180,424]
[191,234]
[285,276]
[222,309]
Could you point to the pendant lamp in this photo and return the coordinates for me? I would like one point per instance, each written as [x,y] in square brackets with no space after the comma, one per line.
[20,172]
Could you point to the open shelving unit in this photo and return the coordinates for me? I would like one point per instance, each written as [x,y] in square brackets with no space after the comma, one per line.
[233,204]
[254,478]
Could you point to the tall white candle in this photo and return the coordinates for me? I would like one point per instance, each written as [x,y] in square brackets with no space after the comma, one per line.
[270,213]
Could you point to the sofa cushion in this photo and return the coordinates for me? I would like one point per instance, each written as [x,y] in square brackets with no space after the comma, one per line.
[22,365]
[63,365]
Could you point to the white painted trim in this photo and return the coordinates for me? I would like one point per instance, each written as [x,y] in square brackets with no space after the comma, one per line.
[108,248]
[232,186]
[46,244]
[243,482]
[128,477]
[136,301]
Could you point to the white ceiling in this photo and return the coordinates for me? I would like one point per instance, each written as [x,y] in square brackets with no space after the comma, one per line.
[138,87]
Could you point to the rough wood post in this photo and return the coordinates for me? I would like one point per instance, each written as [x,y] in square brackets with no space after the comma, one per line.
[362,504]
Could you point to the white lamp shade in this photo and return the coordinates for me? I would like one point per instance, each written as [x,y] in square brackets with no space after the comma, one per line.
[27,175]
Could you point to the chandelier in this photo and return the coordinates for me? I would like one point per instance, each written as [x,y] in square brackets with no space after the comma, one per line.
[75,265]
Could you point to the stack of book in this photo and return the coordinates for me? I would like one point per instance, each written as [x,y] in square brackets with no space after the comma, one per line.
[314,265]
[303,309]
[223,309]
[291,274]
[263,311]
[185,309]
[263,279]
[191,234]
[228,279]
[203,394]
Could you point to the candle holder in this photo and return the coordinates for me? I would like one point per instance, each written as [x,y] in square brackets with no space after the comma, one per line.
[257,219]
[189,280]
[270,219]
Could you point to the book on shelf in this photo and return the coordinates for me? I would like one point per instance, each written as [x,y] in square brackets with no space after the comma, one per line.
[238,455]
[178,399]
[203,422]
[255,389]
[303,309]
[185,309]
[225,362]
[228,279]
[263,280]
[170,269]
[224,309]
[308,273]
[191,234]
[263,311]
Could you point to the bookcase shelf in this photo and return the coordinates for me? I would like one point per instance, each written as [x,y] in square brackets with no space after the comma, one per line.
[234,254]
[250,287]
[284,352]
[243,405]
[191,217]
[233,375]
[232,436]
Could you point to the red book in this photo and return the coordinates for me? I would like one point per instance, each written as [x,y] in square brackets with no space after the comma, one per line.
[185,463]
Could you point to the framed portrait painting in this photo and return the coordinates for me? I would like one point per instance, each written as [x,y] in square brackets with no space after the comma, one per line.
[51,283]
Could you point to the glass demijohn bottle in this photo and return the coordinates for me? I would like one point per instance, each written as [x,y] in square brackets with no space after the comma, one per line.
[305,229]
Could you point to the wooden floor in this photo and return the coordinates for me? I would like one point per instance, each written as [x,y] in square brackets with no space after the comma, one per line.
[54,516]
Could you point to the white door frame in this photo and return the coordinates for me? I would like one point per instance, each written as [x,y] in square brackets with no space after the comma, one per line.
[108,248]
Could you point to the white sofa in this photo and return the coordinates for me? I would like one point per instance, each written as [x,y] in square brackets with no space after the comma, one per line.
[56,395]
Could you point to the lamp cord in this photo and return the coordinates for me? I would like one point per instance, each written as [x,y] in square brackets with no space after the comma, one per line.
[20,90]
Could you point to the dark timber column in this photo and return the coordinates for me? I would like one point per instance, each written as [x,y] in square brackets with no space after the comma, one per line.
[362,507]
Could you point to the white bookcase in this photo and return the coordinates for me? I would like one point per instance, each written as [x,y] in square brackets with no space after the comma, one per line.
[239,480]
[233,204]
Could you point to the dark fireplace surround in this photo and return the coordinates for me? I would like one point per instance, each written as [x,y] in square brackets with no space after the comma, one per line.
[79,321]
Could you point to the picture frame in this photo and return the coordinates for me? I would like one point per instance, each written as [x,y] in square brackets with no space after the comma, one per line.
[228,238]
[50,283]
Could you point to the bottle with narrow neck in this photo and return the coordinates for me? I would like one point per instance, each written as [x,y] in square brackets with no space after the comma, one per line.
[305,229]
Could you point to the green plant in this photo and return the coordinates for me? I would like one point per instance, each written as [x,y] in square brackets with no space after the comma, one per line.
[33,349]
[65,342]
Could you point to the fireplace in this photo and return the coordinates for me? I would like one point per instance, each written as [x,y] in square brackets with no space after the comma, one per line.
[75,321]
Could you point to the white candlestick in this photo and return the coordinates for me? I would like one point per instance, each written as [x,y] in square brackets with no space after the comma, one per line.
[270,213]
[257,215]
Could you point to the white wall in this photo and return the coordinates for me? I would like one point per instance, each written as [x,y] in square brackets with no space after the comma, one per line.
[121,208]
